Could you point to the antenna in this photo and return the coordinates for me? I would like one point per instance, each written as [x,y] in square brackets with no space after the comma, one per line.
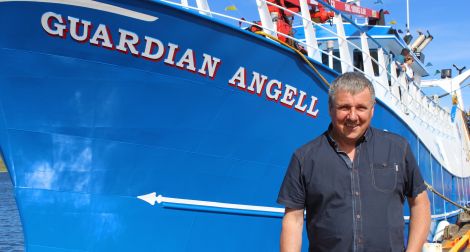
[460,70]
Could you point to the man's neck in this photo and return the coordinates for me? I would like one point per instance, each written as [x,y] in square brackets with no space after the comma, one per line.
[348,147]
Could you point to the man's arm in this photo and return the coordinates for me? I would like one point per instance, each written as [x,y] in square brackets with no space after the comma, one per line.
[292,226]
[420,221]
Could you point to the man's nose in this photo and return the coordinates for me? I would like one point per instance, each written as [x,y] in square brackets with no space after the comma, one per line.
[352,114]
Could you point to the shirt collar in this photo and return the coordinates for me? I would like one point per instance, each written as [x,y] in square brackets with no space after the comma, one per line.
[365,138]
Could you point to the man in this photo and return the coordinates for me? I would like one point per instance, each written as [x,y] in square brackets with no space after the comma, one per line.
[400,59]
[406,68]
[352,182]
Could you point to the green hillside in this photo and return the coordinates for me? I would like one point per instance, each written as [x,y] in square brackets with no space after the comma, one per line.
[2,166]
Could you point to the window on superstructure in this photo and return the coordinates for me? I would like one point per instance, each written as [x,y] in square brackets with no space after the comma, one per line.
[336,62]
[359,63]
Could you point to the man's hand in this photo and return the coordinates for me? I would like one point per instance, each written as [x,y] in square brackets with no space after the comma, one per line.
[292,225]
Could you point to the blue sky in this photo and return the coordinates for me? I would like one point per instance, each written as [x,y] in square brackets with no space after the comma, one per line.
[447,21]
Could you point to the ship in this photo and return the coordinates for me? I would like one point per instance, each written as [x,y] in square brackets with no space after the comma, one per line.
[165,126]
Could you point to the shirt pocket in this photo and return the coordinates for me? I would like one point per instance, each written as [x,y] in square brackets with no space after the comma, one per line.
[385,176]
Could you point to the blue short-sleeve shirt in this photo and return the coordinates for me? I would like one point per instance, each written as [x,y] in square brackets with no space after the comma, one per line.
[353,206]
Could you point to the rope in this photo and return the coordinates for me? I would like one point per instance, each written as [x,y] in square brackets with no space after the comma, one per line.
[430,188]
[448,93]
[299,53]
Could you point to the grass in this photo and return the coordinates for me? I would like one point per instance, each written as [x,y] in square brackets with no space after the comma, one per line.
[2,166]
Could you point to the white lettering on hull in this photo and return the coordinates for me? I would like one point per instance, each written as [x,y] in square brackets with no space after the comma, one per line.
[275,91]
[55,25]
[155,50]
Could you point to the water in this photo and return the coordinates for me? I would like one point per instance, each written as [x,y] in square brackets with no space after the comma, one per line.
[11,233]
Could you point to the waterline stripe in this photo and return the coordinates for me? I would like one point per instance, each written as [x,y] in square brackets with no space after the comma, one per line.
[97,6]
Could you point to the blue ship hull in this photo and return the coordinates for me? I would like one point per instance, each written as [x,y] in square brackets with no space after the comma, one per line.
[85,130]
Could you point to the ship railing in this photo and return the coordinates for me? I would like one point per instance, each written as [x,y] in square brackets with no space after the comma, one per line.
[346,62]
[430,109]
[423,107]
[420,104]
[425,113]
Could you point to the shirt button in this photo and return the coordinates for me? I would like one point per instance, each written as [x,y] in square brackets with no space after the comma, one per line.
[358,216]
[357,193]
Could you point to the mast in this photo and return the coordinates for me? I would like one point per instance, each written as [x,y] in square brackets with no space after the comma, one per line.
[407,15]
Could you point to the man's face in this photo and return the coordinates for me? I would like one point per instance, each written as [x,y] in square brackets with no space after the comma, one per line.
[351,115]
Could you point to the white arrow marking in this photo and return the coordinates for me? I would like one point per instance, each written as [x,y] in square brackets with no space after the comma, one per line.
[151,198]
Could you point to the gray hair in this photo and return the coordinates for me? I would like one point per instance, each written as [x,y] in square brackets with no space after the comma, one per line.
[351,82]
